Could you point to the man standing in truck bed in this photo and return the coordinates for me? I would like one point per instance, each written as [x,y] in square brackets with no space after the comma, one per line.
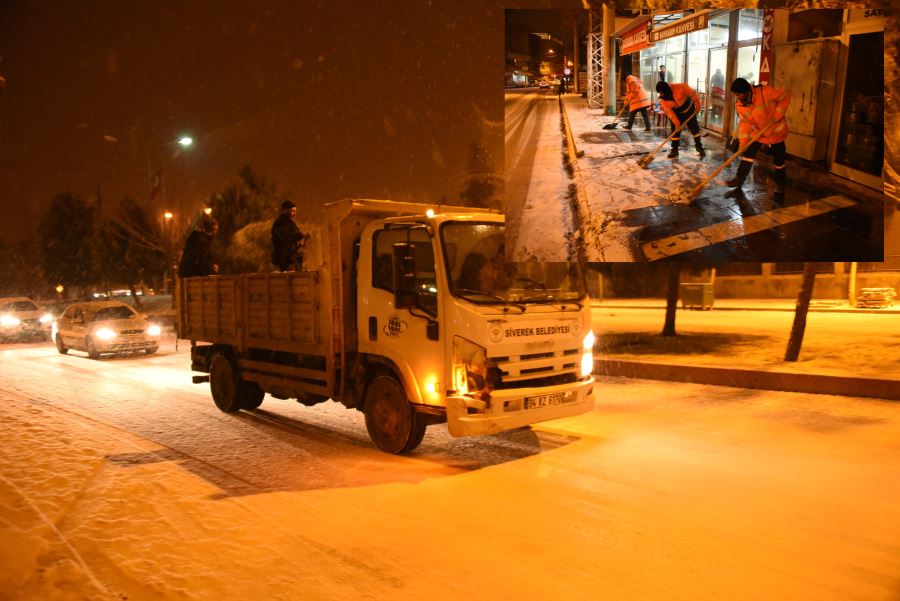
[286,238]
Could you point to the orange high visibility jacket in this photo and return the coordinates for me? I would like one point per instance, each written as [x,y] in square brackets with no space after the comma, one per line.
[681,92]
[767,104]
[637,97]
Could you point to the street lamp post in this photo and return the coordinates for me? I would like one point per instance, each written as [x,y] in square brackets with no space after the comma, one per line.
[168,216]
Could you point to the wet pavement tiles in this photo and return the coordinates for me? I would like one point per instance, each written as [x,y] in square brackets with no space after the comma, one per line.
[724,231]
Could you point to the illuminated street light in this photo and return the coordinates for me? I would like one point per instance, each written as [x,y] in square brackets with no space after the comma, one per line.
[186,141]
[208,210]
[168,215]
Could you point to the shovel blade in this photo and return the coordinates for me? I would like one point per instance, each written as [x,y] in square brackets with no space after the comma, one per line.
[644,162]
[611,126]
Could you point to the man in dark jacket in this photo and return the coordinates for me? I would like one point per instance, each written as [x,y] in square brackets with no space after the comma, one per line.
[197,257]
[286,238]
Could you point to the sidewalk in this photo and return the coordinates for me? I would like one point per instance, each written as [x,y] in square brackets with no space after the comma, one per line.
[741,342]
[637,214]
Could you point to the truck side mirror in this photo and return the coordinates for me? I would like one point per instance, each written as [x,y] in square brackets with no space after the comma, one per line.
[404,264]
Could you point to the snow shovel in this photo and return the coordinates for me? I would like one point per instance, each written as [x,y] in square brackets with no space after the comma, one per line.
[699,188]
[615,122]
[644,162]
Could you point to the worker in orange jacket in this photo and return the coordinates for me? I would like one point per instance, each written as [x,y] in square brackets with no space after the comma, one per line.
[638,100]
[679,101]
[761,107]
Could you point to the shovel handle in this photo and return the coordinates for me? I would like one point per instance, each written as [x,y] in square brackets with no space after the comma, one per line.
[740,152]
[672,135]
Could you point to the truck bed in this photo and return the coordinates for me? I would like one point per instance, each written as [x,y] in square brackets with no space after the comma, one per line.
[271,311]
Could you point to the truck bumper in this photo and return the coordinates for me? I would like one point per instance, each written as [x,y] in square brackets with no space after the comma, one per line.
[507,409]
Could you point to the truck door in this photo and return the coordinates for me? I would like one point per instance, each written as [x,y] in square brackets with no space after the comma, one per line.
[408,337]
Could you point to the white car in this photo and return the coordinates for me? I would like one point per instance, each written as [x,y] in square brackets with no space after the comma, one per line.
[104,327]
[21,318]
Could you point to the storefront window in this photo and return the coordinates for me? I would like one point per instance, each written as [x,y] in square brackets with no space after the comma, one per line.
[697,73]
[675,44]
[861,140]
[718,30]
[675,67]
[648,74]
[750,25]
[748,64]
[698,39]
[718,59]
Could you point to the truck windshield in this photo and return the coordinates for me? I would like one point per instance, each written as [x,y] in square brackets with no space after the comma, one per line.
[479,273]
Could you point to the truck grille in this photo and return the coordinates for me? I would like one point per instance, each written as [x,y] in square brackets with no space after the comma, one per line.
[538,369]
[127,332]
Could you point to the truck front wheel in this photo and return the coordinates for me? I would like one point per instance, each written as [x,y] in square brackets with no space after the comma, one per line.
[393,425]
[229,391]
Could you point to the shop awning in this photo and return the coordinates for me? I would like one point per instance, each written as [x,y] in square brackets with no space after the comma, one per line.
[688,24]
[635,35]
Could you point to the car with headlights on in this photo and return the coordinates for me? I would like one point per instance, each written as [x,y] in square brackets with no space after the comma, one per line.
[21,318]
[103,328]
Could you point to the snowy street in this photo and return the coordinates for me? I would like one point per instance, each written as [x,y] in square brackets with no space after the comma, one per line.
[120,479]
[539,219]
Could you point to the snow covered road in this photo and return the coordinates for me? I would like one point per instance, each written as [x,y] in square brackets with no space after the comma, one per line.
[119,479]
[540,223]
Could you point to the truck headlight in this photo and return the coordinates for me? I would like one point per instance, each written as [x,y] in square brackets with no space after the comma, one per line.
[46,318]
[154,330]
[105,334]
[587,354]
[9,321]
[469,366]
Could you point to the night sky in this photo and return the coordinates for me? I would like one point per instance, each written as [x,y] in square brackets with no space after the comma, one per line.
[373,98]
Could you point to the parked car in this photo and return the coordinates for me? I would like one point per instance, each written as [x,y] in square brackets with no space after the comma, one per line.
[105,327]
[21,318]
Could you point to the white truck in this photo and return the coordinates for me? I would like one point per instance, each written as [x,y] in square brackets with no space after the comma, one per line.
[407,313]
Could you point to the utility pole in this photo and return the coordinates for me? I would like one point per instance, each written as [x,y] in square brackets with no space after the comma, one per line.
[594,58]
[577,87]
[609,56]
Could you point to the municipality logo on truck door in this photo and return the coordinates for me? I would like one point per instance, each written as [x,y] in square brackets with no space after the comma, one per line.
[527,332]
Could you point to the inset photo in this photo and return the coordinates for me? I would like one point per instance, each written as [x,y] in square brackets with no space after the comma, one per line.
[695,136]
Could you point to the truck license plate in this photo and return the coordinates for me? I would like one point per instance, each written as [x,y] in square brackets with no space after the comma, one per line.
[535,402]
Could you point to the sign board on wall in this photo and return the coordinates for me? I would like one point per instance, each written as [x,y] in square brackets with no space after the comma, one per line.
[858,15]
[636,38]
[683,26]
[765,54]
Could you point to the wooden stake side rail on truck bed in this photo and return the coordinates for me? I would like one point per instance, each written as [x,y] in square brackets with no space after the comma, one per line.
[271,321]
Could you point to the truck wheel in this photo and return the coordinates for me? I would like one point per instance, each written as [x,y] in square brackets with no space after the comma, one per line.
[60,346]
[230,392]
[223,380]
[393,424]
[251,395]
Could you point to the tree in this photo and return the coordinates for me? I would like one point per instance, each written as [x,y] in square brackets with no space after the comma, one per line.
[672,285]
[66,233]
[799,326]
[130,248]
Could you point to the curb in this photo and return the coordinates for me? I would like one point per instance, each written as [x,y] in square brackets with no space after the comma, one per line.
[783,309]
[748,378]
[582,205]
